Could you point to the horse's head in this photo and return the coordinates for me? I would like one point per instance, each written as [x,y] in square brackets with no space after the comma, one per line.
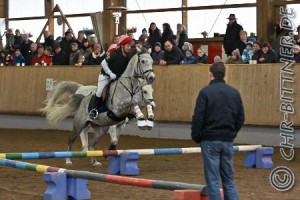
[144,65]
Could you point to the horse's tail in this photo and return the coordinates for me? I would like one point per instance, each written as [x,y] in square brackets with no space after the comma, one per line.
[60,95]
[58,113]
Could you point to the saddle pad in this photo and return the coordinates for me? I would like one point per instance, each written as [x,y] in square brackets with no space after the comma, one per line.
[101,109]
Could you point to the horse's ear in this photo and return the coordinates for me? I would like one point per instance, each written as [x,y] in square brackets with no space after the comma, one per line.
[142,82]
[138,50]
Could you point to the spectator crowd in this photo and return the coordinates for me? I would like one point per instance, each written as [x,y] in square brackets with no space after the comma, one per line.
[166,47]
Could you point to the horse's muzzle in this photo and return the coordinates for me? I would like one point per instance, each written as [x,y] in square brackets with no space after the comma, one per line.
[150,78]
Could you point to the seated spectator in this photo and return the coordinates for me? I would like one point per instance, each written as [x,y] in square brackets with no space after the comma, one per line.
[81,60]
[217,59]
[172,54]
[268,54]
[18,39]
[257,51]
[248,52]
[18,58]
[48,40]
[74,54]
[296,51]
[86,50]
[157,54]
[97,56]
[241,43]
[201,58]
[60,57]
[9,60]
[38,57]
[188,58]
[2,57]
[47,58]
[235,58]
[187,46]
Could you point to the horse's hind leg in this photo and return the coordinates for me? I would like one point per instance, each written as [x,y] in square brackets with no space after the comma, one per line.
[73,135]
[99,132]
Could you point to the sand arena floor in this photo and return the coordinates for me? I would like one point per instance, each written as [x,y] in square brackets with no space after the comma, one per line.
[15,184]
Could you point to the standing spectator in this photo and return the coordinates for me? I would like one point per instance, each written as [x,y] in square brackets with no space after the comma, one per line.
[235,58]
[116,39]
[10,38]
[187,46]
[154,35]
[257,51]
[201,58]
[157,54]
[172,55]
[296,51]
[86,51]
[144,38]
[60,57]
[232,34]
[80,38]
[66,42]
[18,39]
[167,34]
[268,54]
[25,46]
[188,58]
[241,43]
[248,52]
[47,58]
[38,57]
[48,39]
[31,53]
[217,119]
[18,58]
[97,56]
[181,36]
[74,56]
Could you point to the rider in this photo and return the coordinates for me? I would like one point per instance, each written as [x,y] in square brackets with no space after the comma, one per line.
[112,68]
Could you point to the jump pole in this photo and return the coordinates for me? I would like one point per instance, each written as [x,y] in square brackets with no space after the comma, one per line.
[101,153]
[139,182]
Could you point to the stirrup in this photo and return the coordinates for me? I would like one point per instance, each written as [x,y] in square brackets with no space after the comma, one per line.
[93,113]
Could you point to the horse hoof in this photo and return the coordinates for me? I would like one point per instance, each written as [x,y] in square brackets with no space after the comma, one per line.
[143,127]
[97,164]
[69,164]
[141,123]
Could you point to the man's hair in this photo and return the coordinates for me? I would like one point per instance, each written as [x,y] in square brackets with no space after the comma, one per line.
[218,70]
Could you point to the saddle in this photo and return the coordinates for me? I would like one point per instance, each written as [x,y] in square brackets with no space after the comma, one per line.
[102,106]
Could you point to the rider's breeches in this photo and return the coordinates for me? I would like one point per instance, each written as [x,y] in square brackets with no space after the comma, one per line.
[103,80]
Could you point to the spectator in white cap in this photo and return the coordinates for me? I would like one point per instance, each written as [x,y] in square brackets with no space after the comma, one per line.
[112,68]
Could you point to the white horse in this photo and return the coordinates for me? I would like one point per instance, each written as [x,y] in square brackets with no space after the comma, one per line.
[63,91]
[124,95]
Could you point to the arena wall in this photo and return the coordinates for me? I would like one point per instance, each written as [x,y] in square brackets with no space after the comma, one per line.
[23,89]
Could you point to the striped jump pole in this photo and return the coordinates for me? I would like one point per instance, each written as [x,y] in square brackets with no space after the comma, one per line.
[139,182]
[80,154]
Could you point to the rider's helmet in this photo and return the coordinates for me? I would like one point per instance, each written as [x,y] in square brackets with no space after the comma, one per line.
[124,39]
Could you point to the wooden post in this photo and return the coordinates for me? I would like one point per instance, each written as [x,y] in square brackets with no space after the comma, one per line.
[265,18]
[184,14]
[49,5]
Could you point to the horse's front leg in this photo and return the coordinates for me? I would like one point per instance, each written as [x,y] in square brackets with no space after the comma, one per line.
[141,122]
[150,120]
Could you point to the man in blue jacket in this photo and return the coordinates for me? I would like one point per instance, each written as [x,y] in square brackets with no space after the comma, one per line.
[218,117]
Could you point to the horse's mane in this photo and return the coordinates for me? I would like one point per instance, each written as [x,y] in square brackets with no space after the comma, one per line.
[133,52]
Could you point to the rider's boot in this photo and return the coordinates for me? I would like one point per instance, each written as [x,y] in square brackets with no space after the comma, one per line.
[94,112]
